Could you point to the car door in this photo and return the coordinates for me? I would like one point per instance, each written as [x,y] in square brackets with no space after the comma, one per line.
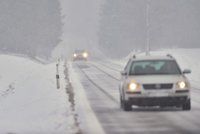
[125,76]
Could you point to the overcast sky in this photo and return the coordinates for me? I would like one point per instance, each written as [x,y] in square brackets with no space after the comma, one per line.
[173,24]
[81,22]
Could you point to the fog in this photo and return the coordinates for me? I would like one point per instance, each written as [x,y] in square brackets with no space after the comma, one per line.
[172,24]
[81,22]
[112,27]
[118,27]
[30,27]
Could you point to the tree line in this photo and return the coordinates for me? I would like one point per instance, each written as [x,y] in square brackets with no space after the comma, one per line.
[173,24]
[30,27]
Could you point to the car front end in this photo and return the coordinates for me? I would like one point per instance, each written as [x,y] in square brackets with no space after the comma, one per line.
[80,56]
[155,82]
[157,91]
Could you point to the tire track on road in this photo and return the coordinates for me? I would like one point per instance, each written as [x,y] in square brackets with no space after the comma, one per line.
[99,87]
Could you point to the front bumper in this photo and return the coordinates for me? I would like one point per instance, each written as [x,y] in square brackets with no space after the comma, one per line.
[159,101]
[79,59]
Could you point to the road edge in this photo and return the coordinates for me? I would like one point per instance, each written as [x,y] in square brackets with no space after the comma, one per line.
[88,120]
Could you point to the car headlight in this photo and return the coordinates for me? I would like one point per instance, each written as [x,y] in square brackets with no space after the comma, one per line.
[75,55]
[182,85]
[133,86]
[85,55]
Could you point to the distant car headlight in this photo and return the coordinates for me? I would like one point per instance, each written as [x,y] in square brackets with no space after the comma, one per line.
[85,54]
[133,86]
[182,85]
[75,55]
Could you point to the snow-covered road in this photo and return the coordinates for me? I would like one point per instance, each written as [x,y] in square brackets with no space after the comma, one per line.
[100,81]
[30,102]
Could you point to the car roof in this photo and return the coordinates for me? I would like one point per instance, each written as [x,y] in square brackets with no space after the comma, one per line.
[138,58]
[79,51]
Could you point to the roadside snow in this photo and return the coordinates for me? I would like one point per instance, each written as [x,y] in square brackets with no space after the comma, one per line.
[88,121]
[29,100]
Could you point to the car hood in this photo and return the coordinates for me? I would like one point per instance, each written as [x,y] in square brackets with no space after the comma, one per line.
[150,79]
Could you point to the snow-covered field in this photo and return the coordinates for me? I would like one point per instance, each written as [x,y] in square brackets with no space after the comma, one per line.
[30,103]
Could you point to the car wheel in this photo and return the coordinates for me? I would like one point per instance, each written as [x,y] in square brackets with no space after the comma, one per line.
[125,105]
[187,106]
[121,103]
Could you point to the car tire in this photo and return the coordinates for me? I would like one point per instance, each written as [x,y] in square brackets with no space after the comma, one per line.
[187,106]
[125,105]
[121,103]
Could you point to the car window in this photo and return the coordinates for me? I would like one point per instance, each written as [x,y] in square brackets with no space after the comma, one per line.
[154,67]
[127,66]
[79,51]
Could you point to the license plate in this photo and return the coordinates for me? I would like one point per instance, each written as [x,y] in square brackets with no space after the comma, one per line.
[158,94]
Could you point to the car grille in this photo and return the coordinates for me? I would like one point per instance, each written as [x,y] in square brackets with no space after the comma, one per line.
[157,86]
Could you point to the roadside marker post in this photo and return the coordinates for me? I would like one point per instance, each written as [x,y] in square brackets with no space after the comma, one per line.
[57,75]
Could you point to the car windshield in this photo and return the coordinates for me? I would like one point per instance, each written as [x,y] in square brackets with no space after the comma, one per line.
[154,67]
[79,51]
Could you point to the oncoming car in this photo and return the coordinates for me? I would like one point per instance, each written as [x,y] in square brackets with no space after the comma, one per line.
[80,55]
[154,81]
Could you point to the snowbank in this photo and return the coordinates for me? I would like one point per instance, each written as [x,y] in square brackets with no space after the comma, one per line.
[29,100]
[88,121]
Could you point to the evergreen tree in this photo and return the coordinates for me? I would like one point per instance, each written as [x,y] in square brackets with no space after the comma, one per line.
[173,23]
[30,27]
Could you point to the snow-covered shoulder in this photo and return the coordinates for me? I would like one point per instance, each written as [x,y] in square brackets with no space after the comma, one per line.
[29,100]
[88,121]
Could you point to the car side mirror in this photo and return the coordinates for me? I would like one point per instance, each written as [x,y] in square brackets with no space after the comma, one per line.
[187,71]
[123,73]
